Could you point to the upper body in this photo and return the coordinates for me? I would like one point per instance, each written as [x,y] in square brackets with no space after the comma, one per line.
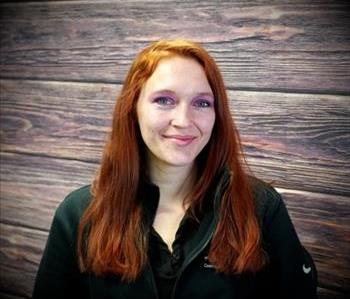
[290,272]
[172,212]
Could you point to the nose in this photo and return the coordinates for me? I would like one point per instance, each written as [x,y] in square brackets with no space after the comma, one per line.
[181,116]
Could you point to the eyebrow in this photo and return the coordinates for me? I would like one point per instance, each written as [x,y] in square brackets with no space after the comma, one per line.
[168,91]
[210,94]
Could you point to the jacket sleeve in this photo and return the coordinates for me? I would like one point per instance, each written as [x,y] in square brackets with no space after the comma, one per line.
[58,274]
[291,266]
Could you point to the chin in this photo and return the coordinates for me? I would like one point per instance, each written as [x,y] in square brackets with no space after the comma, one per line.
[180,162]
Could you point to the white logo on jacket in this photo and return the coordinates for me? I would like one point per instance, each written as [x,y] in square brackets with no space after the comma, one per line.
[206,263]
[306,270]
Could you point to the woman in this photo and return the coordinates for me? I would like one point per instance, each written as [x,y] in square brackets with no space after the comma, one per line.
[172,212]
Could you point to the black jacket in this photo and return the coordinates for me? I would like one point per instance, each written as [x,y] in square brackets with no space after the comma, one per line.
[290,273]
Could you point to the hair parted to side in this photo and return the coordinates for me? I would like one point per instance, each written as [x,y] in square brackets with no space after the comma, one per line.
[110,234]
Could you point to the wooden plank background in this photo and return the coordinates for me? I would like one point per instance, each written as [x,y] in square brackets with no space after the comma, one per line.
[286,65]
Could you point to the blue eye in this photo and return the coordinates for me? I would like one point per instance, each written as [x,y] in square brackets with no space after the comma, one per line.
[164,101]
[202,104]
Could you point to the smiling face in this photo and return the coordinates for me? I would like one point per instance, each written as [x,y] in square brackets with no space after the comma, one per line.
[176,112]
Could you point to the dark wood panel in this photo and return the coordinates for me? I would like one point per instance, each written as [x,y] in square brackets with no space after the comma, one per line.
[60,119]
[298,140]
[288,45]
[34,185]
[329,294]
[10,296]
[21,251]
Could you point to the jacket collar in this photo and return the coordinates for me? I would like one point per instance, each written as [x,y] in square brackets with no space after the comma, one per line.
[149,196]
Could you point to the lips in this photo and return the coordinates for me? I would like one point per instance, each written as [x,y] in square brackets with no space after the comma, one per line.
[180,139]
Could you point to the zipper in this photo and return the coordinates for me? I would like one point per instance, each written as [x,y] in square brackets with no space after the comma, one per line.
[222,186]
[196,253]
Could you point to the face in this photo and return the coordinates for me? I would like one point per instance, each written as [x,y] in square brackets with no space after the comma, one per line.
[176,112]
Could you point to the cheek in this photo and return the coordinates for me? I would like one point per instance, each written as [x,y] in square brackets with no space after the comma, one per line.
[151,123]
[207,123]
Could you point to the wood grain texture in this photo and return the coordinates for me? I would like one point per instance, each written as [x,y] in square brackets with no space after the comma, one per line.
[294,139]
[21,251]
[10,296]
[56,119]
[329,294]
[278,45]
[299,140]
[34,185]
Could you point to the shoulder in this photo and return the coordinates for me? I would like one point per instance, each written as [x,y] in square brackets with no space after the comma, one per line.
[66,220]
[74,204]
[267,200]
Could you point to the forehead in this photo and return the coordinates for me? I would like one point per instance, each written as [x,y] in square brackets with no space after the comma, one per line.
[178,73]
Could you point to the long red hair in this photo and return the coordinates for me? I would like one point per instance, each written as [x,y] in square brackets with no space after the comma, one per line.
[110,235]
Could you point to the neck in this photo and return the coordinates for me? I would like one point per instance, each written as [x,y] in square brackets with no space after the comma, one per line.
[174,182]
